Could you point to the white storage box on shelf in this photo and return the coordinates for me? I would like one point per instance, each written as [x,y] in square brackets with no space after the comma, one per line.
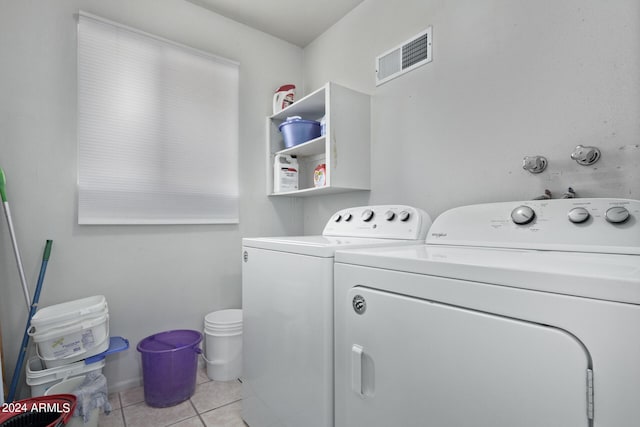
[41,379]
[71,331]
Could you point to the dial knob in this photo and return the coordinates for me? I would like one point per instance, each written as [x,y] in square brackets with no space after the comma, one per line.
[404,216]
[367,215]
[617,214]
[347,217]
[337,218]
[389,215]
[578,215]
[522,215]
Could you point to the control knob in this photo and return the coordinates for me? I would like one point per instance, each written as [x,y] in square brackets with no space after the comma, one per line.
[389,215]
[578,215]
[337,218]
[367,215]
[404,216]
[347,217]
[522,215]
[617,214]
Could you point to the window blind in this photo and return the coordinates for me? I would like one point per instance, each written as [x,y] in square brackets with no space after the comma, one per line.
[157,129]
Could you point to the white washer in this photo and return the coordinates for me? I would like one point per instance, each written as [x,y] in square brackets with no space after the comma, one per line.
[494,323]
[287,302]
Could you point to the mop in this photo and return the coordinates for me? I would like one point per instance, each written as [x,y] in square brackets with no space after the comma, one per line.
[14,242]
[7,211]
[25,338]
[31,307]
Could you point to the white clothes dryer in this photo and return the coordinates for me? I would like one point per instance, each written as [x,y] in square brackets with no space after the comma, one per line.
[523,314]
[287,302]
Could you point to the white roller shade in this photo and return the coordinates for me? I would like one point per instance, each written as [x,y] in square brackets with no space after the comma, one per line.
[157,130]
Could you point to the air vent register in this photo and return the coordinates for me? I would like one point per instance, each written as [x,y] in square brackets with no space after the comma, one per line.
[406,57]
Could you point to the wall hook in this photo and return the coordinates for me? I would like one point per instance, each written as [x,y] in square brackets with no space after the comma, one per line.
[585,156]
[534,164]
[569,194]
[547,195]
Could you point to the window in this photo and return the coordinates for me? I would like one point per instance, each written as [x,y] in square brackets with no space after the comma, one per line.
[157,129]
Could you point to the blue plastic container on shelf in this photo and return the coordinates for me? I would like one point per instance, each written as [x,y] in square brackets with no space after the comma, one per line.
[295,130]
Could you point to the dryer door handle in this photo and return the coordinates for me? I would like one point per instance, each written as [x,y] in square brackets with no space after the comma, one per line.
[357,353]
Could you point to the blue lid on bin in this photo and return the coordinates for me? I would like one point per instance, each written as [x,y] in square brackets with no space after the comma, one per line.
[116,345]
[170,341]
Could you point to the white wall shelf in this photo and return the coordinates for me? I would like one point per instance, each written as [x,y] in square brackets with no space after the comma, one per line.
[345,149]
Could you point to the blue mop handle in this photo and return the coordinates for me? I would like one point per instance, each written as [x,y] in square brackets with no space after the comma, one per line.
[43,269]
[25,339]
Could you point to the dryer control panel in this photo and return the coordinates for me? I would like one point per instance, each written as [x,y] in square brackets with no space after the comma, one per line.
[577,225]
[398,222]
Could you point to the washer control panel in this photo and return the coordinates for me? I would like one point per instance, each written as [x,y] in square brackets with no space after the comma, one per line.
[384,222]
[582,225]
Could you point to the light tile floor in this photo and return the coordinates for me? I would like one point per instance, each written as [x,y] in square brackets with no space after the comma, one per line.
[214,404]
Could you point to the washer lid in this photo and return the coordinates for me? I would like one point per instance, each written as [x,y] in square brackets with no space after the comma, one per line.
[602,276]
[319,246]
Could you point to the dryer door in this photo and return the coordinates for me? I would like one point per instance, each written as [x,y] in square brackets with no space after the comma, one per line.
[420,363]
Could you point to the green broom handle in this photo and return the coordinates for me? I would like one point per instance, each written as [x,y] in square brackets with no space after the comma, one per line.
[3,183]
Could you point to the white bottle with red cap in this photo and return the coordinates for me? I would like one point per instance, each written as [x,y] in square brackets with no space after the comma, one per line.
[283,97]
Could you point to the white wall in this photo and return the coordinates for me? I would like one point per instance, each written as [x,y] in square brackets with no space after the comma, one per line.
[155,278]
[509,78]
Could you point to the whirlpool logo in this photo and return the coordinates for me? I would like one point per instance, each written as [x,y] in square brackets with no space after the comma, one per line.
[439,235]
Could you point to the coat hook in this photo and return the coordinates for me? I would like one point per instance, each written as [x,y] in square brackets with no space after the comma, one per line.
[547,195]
[585,156]
[534,164]
[569,194]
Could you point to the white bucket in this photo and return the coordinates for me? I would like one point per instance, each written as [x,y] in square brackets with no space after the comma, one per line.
[41,379]
[223,344]
[68,386]
[71,331]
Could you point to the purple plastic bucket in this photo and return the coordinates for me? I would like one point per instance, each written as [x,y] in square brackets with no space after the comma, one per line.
[169,366]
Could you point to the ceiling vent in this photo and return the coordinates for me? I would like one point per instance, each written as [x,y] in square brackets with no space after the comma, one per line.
[399,60]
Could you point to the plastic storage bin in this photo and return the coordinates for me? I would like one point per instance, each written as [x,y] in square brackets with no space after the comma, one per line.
[66,345]
[296,130]
[41,379]
[69,312]
[71,331]
[223,344]
[169,366]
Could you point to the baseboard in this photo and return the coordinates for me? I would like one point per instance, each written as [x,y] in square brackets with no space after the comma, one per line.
[125,385]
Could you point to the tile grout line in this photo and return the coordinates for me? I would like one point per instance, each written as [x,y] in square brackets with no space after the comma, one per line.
[220,407]
[197,412]
[124,420]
